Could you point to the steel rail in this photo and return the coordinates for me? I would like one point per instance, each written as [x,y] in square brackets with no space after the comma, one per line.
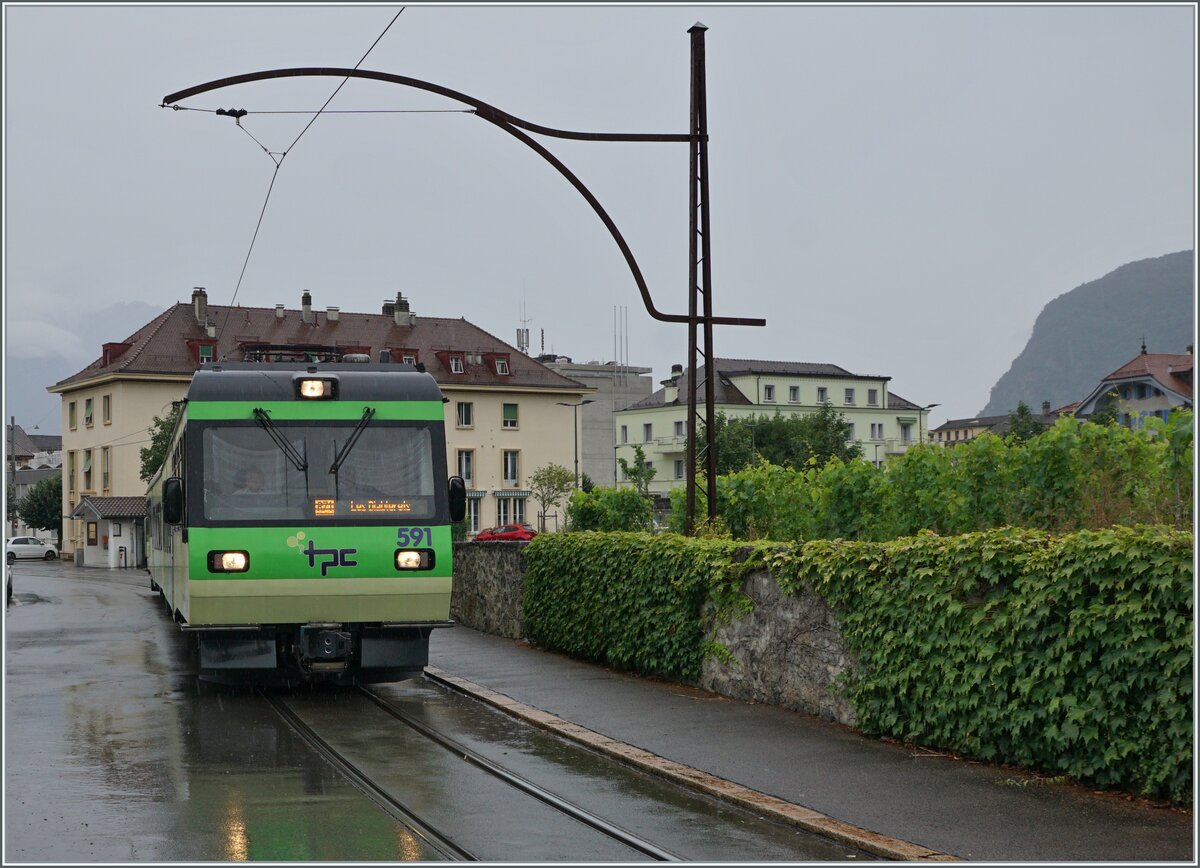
[514,780]
[435,839]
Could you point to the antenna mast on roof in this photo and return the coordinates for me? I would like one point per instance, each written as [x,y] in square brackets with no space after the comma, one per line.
[523,331]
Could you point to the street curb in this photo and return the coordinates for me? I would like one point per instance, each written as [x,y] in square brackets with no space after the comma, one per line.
[776,808]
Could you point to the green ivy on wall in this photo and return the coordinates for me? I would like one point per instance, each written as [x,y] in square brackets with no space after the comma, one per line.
[1069,653]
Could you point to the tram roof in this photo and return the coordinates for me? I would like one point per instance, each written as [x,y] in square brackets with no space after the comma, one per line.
[254,381]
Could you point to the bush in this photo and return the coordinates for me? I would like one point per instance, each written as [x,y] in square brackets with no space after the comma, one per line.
[631,601]
[1071,477]
[610,509]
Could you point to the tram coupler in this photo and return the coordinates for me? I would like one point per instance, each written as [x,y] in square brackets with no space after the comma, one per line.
[324,644]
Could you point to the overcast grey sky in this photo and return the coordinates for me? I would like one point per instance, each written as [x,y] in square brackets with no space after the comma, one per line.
[897,190]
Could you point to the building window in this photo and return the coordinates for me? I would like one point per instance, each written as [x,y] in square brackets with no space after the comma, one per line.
[680,430]
[768,394]
[502,366]
[472,515]
[466,414]
[647,432]
[510,416]
[87,470]
[906,432]
[456,365]
[876,430]
[624,433]
[104,477]
[466,466]
[849,396]
[873,397]
[852,435]
[794,394]
[510,510]
[511,468]
[678,469]
[71,415]
[71,470]
[822,395]
[648,466]
[410,359]
[106,409]
[206,353]
[87,412]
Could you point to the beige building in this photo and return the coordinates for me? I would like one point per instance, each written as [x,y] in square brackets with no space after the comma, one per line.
[503,421]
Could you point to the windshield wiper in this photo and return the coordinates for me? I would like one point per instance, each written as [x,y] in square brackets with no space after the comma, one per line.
[298,460]
[368,412]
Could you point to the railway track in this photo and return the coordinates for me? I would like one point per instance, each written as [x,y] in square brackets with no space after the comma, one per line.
[519,783]
[431,836]
[433,833]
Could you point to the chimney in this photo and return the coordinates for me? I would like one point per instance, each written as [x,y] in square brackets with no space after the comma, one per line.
[306,314]
[671,393]
[279,311]
[389,308]
[401,313]
[200,305]
[332,314]
[1045,408]
[211,329]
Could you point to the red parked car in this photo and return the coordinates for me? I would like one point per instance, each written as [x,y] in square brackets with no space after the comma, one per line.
[506,532]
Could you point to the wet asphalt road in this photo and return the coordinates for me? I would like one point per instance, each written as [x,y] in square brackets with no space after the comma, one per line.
[114,753]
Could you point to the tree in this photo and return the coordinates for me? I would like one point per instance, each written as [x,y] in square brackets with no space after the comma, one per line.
[789,441]
[734,442]
[161,430]
[1023,425]
[551,485]
[1110,412]
[585,482]
[42,506]
[639,472]
[610,509]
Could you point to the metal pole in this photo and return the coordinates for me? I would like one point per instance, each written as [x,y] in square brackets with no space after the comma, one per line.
[12,460]
[575,422]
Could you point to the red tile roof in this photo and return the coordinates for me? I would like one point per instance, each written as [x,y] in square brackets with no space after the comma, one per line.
[1170,370]
[167,344]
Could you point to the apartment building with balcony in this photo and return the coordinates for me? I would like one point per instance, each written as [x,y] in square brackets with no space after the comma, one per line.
[882,422]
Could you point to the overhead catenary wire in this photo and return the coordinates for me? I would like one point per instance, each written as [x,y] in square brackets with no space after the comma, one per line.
[279,163]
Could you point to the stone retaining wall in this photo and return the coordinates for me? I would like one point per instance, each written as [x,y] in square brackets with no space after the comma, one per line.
[786,651]
[489,582]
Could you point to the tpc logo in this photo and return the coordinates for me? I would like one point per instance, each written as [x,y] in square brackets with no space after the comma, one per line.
[337,557]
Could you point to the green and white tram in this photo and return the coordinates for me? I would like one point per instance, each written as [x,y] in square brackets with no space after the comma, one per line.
[300,526]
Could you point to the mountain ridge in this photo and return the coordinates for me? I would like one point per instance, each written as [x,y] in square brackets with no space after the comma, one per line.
[1088,332]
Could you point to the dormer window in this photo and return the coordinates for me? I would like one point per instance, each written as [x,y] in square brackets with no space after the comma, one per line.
[502,367]
[202,349]
[456,365]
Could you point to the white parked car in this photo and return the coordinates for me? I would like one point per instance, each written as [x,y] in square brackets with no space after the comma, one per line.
[28,547]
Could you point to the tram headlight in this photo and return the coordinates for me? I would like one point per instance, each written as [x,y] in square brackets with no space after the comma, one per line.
[312,387]
[228,562]
[414,559]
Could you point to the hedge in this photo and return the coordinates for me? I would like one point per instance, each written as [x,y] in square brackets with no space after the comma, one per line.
[1072,654]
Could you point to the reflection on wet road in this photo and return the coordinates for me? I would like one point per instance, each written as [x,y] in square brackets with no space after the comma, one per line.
[113,752]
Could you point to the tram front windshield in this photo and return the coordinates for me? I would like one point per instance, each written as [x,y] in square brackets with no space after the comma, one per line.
[387,473]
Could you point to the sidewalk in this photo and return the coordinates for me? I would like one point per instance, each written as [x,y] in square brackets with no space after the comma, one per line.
[970,811]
